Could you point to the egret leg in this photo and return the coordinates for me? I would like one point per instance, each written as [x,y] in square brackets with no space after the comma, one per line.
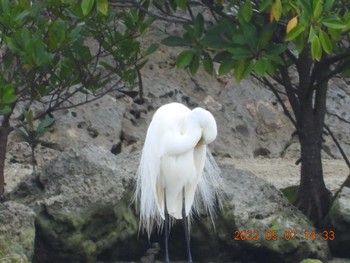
[166,230]
[185,225]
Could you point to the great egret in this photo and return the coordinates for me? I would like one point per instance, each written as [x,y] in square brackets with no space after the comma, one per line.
[171,179]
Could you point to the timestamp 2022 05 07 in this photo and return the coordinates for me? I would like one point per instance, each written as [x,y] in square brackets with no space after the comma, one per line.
[288,234]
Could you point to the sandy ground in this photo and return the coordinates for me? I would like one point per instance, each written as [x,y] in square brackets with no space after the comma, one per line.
[283,172]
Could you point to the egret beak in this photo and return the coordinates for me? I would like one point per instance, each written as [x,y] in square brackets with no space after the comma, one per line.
[200,142]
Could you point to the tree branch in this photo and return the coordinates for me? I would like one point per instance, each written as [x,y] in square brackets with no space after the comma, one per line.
[338,146]
[277,95]
[333,59]
[287,83]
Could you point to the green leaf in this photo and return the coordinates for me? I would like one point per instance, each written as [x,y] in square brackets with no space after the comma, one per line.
[328,5]
[102,6]
[184,58]
[208,63]
[199,25]
[215,42]
[226,66]
[30,120]
[317,8]
[276,49]
[264,5]
[175,41]
[5,6]
[194,64]
[306,7]
[275,58]
[266,33]
[42,127]
[260,67]
[335,34]
[5,109]
[25,4]
[190,31]
[181,4]
[86,6]
[316,50]
[7,95]
[22,134]
[240,52]
[312,34]
[300,42]
[106,65]
[325,42]
[251,35]
[296,31]
[238,39]
[276,10]
[151,49]
[334,24]
[239,70]
[247,11]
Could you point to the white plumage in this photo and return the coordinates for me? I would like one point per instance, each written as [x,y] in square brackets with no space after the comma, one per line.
[173,159]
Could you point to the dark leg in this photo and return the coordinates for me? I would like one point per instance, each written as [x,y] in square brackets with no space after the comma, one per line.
[166,229]
[185,225]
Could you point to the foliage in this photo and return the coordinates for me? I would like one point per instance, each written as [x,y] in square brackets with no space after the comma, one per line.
[47,49]
[31,133]
[51,50]
[257,37]
[7,97]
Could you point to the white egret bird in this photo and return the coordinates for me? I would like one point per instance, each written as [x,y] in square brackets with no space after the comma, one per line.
[174,176]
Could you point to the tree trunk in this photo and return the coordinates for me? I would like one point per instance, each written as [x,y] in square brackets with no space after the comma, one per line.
[4,132]
[313,197]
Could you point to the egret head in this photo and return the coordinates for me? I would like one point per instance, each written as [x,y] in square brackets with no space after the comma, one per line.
[207,123]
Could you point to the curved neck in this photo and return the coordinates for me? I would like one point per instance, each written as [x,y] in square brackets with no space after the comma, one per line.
[185,140]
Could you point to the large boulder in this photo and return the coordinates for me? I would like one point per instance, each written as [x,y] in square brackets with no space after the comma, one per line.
[17,232]
[262,220]
[82,201]
[339,220]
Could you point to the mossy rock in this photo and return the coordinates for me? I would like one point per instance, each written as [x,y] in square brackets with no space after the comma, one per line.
[82,237]
[308,260]
[291,193]
[17,233]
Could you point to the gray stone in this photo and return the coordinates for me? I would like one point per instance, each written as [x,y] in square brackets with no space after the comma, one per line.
[98,122]
[17,232]
[339,220]
[261,218]
[82,201]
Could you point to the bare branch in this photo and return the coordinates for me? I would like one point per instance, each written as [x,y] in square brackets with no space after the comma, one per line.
[337,116]
[287,83]
[338,145]
[276,93]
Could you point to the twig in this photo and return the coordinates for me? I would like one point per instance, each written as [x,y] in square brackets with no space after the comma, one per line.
[338,146]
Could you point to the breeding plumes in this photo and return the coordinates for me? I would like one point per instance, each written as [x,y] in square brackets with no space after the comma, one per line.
[175,178]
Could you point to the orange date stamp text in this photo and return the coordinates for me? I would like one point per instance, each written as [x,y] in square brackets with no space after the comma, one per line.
[288,234]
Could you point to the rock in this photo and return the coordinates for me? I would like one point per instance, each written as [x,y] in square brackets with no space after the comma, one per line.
[99,123]
[251,121]
[338,116]
[262,220]
[339,221]
[82,201]
[17,232]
